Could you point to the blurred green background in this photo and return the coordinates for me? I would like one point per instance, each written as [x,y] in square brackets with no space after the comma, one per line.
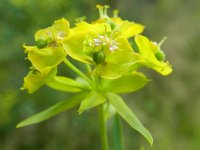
[169,106]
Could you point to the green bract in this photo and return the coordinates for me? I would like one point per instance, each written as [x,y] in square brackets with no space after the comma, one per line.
[112,50]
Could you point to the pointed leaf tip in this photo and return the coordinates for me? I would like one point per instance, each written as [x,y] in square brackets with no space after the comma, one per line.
[124,111]
[52,111]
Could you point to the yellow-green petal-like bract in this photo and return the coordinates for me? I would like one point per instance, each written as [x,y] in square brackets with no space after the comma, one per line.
[84,27]
[128,29]
[147,53]
[73,44]
[58,31]
[34,80]
[45,59]
[118,62]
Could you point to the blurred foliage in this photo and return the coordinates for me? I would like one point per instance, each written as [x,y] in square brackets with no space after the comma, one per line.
[169,107]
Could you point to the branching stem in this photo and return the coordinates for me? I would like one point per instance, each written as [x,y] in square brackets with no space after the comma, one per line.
[75,69]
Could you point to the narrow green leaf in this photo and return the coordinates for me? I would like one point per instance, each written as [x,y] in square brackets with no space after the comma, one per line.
[117,135]
[53,110]
[125,112]
[92,99]
[65,84]
[127,83]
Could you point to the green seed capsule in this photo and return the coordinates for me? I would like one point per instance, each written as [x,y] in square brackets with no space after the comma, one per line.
[99,57]
[41,43]
[160,55]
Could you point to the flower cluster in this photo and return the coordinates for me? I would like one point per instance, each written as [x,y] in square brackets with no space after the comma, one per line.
[113,51]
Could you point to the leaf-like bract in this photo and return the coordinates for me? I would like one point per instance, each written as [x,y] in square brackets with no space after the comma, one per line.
[128,115]
[125,84]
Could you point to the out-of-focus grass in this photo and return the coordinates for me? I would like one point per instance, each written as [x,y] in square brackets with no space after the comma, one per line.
[168,106]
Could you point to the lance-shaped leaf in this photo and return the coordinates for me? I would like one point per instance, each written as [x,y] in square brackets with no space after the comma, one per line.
[53,110]
[65,84]
[148,55]
[125,84]
[91,100]
[125,112]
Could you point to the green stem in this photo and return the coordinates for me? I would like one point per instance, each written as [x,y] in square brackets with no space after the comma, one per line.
[71,66]
[103,129]
[89,70]
[88,67]
[117,135]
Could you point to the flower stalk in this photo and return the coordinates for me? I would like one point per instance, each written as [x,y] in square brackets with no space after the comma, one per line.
[103,128]
[76,70]
[117,134]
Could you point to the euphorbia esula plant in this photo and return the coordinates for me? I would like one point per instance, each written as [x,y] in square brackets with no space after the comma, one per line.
[113,51]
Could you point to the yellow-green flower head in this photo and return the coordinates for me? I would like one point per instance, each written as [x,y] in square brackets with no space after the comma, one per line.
[44,58]
[103,44]
[86,39]
[47,54]
[153,56]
